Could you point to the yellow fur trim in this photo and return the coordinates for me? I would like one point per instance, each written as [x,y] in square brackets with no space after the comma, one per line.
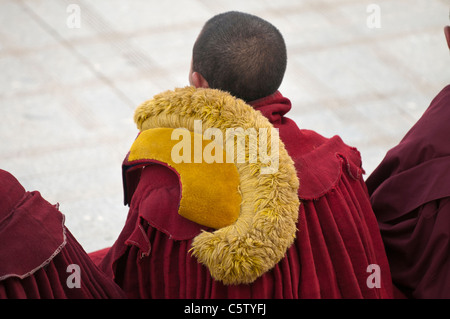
[214,207]
[266,226]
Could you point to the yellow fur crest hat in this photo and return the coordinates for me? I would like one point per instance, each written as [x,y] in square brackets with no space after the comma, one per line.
[266,226]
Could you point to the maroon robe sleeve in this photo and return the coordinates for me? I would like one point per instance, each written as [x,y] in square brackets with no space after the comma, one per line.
[410,194]
[39,257]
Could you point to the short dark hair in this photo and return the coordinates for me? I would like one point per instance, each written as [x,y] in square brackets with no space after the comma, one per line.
[242,54]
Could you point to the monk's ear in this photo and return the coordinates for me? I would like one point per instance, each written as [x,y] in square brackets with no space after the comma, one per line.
[447,35]
[198,80]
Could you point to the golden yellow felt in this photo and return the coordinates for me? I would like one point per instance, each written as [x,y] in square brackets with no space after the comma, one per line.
[209,191]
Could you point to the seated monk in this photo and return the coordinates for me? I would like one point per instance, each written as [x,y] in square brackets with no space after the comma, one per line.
[39,257]
[292,222]
[410,193]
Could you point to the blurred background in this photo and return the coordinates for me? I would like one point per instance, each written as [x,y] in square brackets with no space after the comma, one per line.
[72,73]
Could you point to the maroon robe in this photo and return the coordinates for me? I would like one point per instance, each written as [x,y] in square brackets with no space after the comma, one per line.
[36,250]
[410,193]
[337,239]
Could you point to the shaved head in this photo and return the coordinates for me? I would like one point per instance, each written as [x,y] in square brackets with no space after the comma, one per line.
[242,54]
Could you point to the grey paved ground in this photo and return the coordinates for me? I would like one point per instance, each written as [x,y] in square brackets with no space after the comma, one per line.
[67,94]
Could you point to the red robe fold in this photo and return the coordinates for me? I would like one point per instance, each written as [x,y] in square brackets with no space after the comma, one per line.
[337,239]
[36,250]
[410,193]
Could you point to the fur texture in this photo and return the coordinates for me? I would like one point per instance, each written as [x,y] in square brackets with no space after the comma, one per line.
[266,226]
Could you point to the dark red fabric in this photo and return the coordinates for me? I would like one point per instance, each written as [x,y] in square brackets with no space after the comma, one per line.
[36,249]
[410,193]
[337,238]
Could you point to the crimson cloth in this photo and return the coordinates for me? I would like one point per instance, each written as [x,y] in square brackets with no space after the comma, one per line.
[410,193]
[337,239]
[36,250]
